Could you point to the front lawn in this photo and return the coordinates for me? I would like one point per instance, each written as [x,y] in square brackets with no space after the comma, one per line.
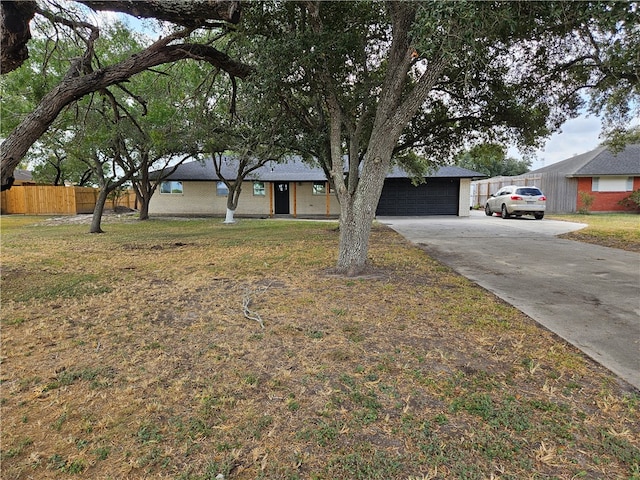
[617,230]
[128,355]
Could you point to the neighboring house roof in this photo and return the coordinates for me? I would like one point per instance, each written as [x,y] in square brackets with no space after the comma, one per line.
[294,170]
[22,175]
[600,161]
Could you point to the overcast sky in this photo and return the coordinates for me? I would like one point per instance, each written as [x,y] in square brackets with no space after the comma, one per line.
[577,136]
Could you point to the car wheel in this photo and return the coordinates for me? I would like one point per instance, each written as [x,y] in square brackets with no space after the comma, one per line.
[487,210]
[505,213]
[538,216]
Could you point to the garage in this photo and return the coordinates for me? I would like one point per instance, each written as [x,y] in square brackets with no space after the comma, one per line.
[437,196]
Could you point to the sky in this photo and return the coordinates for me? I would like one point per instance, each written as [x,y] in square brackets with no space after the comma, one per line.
[577,136]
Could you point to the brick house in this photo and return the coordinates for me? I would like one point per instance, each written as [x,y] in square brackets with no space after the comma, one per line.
[603,176]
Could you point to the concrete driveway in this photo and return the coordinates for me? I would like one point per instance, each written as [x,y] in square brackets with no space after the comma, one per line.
[588,295]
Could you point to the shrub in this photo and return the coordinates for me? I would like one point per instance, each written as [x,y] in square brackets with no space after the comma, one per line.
[632,200]
[586,200]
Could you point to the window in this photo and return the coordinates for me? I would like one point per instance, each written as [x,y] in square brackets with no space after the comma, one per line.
[171,187]
[612,184]
[528,191]
[221,189]
[258,189]
[319,188]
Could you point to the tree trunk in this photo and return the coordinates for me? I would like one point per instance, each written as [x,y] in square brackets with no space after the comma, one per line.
[357,211]
[235,188]
[15,18]
[144,191]
[229,218]
[353,249]
[144,208]
[98,210]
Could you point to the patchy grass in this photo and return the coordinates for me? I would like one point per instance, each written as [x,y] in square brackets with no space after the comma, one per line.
[139,363]
[616,230]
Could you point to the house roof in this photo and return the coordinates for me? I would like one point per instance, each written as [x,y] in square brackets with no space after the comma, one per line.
[22,175]
[600,161]
[448,171]
[293,170]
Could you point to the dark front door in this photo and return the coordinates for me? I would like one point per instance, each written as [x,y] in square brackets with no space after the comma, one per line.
[281,198]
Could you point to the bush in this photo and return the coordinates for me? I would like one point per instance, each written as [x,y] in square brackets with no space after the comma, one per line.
[586,199]
[632,200]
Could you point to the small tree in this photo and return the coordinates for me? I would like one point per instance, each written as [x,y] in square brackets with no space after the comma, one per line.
[245,141]
[586,200]
[491,159]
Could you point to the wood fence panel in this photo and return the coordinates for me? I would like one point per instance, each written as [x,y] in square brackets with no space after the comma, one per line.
[52,200]
[85,199]
[561,192]
[48,199]
[13,201]
[126,199]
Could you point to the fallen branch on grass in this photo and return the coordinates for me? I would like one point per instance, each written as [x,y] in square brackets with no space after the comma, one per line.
[248,297]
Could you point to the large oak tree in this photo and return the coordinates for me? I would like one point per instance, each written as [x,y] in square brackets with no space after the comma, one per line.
[370,79]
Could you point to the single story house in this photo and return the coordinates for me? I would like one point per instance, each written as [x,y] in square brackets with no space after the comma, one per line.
[298,189]
[604,176]
[23,177]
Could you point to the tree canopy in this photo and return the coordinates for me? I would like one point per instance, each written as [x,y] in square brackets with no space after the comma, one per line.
[491,159]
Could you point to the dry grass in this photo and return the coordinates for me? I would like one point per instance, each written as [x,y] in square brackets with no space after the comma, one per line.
[127,355]
[618,230]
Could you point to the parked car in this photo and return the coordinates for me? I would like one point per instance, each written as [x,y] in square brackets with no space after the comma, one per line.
[518,201]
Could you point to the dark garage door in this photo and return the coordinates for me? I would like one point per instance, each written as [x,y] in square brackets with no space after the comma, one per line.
[438,196]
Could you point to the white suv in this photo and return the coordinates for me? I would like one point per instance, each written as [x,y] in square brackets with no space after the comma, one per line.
[518,201]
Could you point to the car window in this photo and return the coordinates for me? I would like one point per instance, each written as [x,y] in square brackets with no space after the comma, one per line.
[528,191]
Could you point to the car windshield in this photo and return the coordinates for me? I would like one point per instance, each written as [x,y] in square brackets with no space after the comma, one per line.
[528,191]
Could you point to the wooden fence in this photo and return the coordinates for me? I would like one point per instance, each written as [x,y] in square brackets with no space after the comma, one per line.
[561,192]
[52,200]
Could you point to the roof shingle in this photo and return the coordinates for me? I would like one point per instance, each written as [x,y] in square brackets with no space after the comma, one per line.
[293,170]
[600,161]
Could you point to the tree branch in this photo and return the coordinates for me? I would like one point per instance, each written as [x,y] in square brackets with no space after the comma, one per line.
[192,13]
[38,121]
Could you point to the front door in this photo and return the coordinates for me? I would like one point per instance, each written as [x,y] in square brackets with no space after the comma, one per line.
[281,198]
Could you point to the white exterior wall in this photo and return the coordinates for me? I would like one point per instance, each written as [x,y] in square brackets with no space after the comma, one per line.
[195,199]
[309,204]
[199,198]
[463,199]
[250,204]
